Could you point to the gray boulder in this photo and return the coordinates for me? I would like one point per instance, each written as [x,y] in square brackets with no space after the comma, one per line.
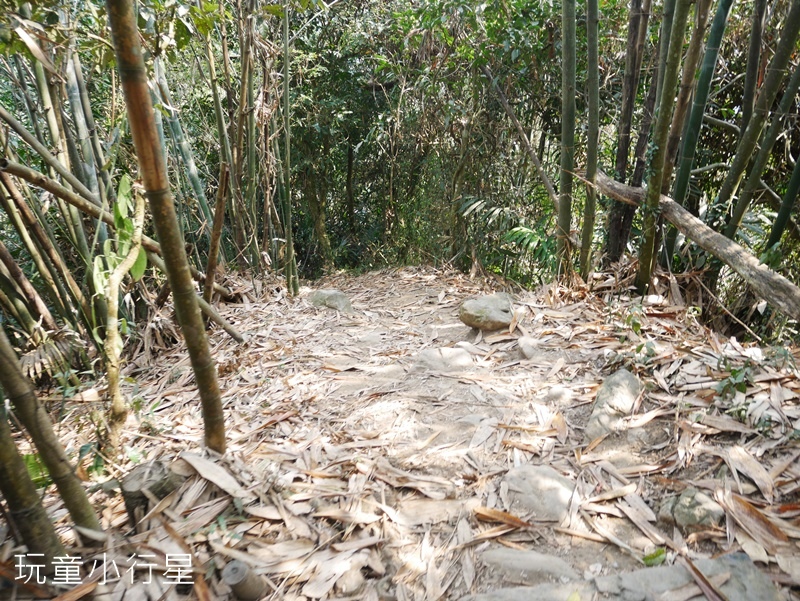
[333,299]
[487,313]
[539,490]
[615,400]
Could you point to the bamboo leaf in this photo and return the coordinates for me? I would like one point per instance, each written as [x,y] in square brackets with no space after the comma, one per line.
[139,267]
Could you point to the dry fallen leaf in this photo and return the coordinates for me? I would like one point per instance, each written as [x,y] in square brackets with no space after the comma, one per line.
[752,520]
[486,514]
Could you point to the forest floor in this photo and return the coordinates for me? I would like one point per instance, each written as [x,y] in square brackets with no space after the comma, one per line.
[355,470]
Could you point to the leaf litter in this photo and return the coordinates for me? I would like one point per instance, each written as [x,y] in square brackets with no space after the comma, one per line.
[355,472]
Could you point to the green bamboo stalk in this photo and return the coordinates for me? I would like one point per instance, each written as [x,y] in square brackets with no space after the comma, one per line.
[753,61]
[766,96]
[630,83]
[30,106]
[216,234]
[16,305]
[44,267]
[252,161]
[154,175]
[753,182]
[787,204]
[107,191]
[686,89]
[292,282]
[50,160]
[592,137]
[568,61]
[182,144]
[83,205]
[665,34]
[33,224]
[90,168]
[660,135]
[692,135]
[52,112]
[222,128]
[620,215]
[36,305]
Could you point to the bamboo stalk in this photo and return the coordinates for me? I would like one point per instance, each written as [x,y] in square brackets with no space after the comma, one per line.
[154,176]
[44,182]
[216,233]
[670,81]
[19,390]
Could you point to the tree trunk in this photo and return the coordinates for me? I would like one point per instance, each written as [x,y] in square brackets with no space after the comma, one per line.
[753,61]
[316,207]
[154,175]
[620,215]
[592,138]
[660,135]
[292,283]
[769,285]
[24,505]
[20,391]
[563,250]
[692,134]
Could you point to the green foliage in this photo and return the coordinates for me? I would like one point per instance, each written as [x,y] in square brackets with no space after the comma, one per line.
[656,558]
[92,449]
[737,381]
[37,471]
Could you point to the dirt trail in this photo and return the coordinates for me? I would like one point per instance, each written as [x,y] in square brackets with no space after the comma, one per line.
[362,473]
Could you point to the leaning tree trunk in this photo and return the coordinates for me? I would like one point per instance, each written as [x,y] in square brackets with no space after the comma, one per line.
[154,175]
[25,507]
[33,416]
[660,135]
[769,285]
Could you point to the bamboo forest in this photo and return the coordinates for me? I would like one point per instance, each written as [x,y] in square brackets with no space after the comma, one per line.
[400,300]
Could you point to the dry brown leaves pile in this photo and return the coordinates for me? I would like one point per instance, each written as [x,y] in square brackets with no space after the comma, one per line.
[353,474]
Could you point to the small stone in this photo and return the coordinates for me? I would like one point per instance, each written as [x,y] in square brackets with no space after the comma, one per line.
[528,346]
[691,509]
[445,359]
[615,399]
[558,395]
[541,592]
[333,299]
[539,490]
[746,582]
[619,392]
[350,582]
[527,567]
[487,313]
